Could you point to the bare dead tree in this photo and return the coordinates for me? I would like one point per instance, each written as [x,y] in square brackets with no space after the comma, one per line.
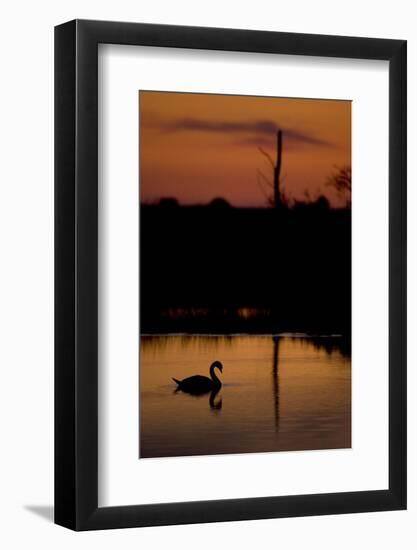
[277,172]
[277,199]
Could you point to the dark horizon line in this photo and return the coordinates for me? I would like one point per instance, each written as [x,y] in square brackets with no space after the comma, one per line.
[157,204]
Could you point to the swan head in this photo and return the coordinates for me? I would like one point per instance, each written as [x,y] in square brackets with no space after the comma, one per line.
[217,365]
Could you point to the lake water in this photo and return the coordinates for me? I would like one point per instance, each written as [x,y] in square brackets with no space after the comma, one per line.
[282,393]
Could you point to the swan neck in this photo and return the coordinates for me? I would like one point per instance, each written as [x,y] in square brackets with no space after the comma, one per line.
[213,374]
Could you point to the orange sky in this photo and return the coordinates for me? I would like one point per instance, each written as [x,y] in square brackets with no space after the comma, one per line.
[196,147]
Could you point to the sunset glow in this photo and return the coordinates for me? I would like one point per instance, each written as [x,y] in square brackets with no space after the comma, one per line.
[196,147]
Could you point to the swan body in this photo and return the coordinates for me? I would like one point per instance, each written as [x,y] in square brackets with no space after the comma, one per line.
[199,384]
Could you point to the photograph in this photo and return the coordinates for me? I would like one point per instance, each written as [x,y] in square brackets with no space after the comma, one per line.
[245,274]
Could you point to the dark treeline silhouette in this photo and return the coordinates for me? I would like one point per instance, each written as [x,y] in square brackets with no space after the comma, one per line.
[220,269]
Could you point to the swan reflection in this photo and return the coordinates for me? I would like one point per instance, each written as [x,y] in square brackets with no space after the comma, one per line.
[215,405]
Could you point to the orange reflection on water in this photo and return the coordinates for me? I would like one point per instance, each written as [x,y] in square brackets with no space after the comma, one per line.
[278,394]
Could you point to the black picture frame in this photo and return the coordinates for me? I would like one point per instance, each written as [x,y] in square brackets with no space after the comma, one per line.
[76,272]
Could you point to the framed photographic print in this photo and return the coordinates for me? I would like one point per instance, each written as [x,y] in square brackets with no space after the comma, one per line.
[230,275]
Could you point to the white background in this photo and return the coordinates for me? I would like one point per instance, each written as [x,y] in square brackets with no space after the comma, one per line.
[123,479]
[26,300]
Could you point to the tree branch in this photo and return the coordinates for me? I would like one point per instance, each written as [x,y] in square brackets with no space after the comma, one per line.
[268,157]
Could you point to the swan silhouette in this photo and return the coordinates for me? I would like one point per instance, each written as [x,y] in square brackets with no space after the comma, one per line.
[198,384]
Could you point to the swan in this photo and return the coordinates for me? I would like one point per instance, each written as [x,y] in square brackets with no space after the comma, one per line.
[201,384]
